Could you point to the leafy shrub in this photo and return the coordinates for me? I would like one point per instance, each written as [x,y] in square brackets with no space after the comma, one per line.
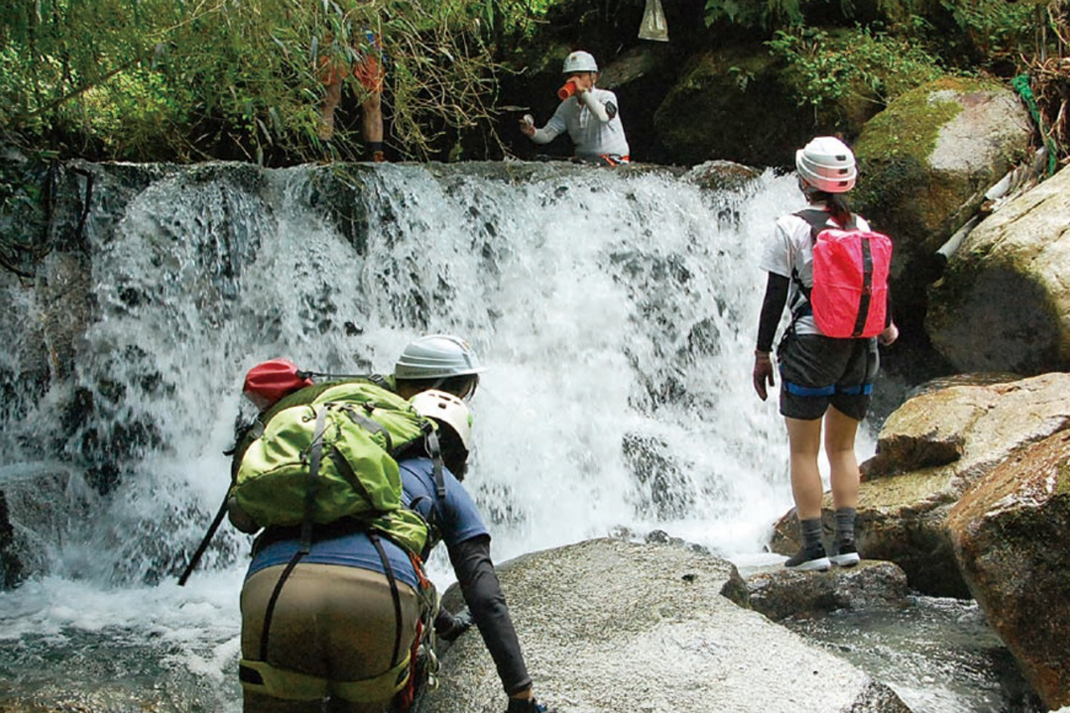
[186,80]
[988,31]
[824,68]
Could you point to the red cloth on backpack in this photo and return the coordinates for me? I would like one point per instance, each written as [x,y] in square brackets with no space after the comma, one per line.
[269,381]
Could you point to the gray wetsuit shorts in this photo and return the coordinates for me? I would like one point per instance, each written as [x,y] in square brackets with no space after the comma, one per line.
[818,371]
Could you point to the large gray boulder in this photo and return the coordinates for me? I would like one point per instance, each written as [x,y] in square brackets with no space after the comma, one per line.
[1004,301]
[613,626]
[929,452]
[1010,533]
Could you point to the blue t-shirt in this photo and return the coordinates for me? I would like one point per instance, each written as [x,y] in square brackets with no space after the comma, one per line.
[457,519]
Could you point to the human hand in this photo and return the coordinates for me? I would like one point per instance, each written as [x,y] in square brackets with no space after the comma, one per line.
[763,373]
[527,125]
[458,624]
[889,335]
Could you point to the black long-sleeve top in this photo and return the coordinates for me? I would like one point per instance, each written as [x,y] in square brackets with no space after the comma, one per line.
[483,594]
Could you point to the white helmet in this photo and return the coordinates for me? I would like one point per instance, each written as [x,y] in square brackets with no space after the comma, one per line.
[827,164]
[579,61]
[447,409]
[438,356]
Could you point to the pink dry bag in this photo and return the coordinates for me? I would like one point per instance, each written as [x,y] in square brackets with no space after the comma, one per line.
[849,296]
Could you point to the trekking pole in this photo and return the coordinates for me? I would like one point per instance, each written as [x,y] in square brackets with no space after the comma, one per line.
[204,544]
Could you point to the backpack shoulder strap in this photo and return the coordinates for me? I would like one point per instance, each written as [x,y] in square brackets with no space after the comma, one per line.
[816,217]
[818,220]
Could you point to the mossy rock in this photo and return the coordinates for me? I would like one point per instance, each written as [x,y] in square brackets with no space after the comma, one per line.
[729,104]
[925,163]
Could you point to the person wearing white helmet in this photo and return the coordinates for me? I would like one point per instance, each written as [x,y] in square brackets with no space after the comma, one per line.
[468,543]
[825,381]
[590,115]
[343,564]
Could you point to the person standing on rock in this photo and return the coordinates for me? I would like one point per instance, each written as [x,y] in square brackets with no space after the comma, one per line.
[591,116]
[825,381]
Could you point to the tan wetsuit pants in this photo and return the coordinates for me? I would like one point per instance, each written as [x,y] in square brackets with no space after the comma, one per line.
[330,621]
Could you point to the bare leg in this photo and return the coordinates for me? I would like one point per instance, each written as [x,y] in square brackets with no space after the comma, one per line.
[840,431]
[804,438]
[330,103]
[373,118]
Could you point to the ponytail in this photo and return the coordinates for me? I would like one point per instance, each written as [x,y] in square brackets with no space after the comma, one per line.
[835,204]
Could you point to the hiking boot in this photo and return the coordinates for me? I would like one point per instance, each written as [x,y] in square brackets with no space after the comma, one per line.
[378,157]
[811,558]
[845,554]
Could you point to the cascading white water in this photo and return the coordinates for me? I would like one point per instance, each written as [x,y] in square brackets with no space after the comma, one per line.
[616,314]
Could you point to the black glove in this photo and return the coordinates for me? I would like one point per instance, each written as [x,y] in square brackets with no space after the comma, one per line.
[530,705]
[449,626]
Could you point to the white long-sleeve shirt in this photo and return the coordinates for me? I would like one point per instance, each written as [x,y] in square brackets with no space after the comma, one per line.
[594,125]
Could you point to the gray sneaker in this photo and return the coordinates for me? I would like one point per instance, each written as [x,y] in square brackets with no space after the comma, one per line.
[811,558]
[845,554]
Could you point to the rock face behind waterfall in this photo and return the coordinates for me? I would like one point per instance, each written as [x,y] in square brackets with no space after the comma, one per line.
[613,626]
[1010,533]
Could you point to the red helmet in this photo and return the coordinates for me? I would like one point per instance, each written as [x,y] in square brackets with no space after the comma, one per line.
[269,381]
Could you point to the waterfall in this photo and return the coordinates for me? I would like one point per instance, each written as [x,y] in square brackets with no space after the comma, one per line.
[615,311]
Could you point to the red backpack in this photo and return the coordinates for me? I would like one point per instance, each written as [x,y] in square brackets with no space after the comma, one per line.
[849,297]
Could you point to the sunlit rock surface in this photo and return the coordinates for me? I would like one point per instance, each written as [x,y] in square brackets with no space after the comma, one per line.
[613,626]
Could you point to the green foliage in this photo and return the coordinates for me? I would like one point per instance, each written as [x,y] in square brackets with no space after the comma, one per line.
[782,13]
[825,68]
[753,13]
[989,30]
[953,29]
[194,79]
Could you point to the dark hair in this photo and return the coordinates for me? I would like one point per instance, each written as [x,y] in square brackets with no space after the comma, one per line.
[454,454]
[835,203]
[462,386]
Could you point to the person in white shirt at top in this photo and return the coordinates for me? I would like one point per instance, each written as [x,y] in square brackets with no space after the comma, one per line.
[590,115]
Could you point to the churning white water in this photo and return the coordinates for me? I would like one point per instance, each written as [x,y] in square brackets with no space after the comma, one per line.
[615,312]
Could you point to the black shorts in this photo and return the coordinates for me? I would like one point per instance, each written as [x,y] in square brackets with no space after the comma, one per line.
[818,371]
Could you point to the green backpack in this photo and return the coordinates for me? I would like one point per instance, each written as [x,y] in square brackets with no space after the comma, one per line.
[327,453]
[333,457]
[282,471]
